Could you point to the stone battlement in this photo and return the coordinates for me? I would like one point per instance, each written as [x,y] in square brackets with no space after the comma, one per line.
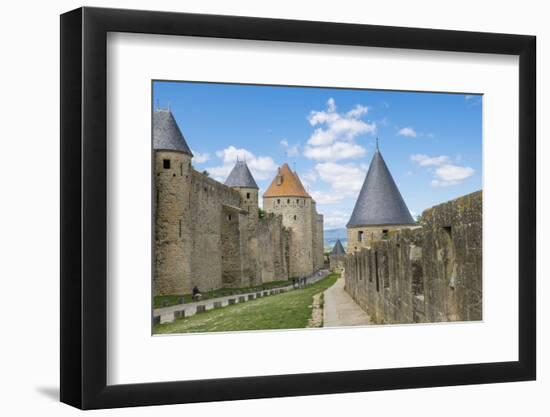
[428,273]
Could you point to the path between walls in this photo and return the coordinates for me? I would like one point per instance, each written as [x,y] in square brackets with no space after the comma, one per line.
[340,309]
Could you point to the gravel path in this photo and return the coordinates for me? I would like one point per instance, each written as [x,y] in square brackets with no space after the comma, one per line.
[340,309]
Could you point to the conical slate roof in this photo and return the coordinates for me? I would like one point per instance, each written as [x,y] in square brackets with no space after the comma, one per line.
[166,133]
[240,176]
[338,249]
[379,202]
[286,184]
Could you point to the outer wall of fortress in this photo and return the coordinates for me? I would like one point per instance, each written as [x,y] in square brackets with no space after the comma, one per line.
[429,273]
[210,235]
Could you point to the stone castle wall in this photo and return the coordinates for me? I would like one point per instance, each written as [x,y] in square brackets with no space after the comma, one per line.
[362,237]
[429,273]
[208,198]
[337,262]
[274,245]
[210,236]
[318,247]
[297,214]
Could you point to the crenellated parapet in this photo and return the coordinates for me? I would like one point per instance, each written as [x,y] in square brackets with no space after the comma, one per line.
[428,273]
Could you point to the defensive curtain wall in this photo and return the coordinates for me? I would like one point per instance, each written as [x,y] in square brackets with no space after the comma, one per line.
[429,273]
[210,235]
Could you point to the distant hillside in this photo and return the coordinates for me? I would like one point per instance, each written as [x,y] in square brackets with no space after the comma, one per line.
[331,235]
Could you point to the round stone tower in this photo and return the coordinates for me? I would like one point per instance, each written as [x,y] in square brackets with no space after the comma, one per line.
[379,209]
[286,196]
[173,239]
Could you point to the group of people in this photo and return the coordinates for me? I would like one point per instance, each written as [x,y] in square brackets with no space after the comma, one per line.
[300,282]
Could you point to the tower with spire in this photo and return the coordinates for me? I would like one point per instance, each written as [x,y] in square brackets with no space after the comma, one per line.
[286,196]
[240,178]
[173,239]
[337,257]
[379,209]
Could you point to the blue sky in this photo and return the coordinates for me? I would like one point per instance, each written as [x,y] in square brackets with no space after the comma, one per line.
[431,142]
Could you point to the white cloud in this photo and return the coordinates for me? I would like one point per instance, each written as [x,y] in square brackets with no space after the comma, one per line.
[310,176]
[425,161]
[344,179]
[446,173]
[324,197]
[450,175]
[262,167]
[335,133]
[335,219]
[199,158]
[408,132]
[290,150]
[357,111]
[334,152]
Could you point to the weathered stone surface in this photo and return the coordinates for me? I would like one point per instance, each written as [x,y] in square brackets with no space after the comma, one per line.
[209,235]
[166,318]
[201,308]
[304,225]
[429,273]
[179,314]
[337,262]
[217,304]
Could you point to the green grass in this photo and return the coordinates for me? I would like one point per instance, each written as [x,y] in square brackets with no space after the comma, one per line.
[172,299]
[290,310]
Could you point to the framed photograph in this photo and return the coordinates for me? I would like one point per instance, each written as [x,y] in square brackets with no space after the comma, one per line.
[257,208]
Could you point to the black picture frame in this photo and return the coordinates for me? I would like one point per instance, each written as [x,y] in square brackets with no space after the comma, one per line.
[84,207]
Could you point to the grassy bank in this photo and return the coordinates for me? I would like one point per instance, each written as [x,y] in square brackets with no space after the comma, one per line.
[291,310]
[170,300]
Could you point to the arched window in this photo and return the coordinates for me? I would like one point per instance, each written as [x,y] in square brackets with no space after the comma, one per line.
[294,217]
[247,195]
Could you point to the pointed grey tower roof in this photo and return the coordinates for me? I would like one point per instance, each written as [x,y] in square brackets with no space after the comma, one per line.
[338,249]
[166,133]
[379,202]
[240,176]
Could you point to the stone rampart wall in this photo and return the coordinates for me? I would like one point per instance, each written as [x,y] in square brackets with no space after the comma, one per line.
[429,273]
